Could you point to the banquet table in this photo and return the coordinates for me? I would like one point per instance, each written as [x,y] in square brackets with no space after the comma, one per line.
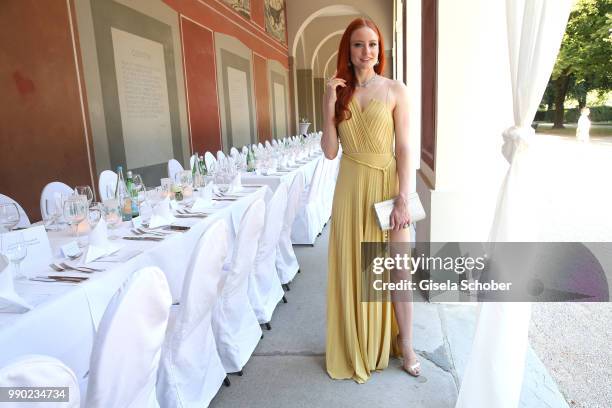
[65,316]
[306,167]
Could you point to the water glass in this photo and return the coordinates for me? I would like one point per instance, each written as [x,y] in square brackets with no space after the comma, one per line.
[112,215]
[9,216]
[15,248]
[75,210]
[85,191]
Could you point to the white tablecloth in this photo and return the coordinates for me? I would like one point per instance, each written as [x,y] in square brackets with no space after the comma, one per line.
[65,317]
[273,181]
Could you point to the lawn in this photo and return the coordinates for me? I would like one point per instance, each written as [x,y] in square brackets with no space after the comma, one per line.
[597,129]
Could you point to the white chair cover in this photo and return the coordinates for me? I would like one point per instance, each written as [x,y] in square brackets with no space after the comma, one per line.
[47,197]
[220,155]
[209,160]
[191,371]
[24,221]
[107,182]
[260,146]
[127,347]
[286,262]
[274,143]
[265,290]
[307,224]
[235,325]
[245,150]
[234,152]
[267,144]
[40,371]
[174,167]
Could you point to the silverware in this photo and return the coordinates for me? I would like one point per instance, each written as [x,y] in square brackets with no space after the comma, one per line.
[85,269]
[56,267]
[141,238]
[159,233]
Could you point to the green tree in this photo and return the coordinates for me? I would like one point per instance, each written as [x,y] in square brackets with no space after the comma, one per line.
[585,55]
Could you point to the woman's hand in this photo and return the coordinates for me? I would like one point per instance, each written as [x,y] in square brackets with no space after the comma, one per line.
[330,90]
[400,215]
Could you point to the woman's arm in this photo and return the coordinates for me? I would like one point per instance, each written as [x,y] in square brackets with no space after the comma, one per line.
[329,140]
[400,214]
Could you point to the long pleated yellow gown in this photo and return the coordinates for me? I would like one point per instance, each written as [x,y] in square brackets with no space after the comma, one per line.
[360,335]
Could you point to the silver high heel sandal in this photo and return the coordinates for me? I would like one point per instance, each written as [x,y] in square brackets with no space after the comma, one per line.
[413,369]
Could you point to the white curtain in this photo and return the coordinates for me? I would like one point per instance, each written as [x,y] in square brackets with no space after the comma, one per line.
[494,373]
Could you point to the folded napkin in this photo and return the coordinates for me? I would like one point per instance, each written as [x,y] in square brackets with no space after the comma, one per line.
[8,297]
[162,215]
[236,184]
[99,245]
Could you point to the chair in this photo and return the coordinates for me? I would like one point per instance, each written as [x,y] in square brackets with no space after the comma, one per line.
[234,152]
[24,221]
[286,261]
[260,146]
[126,350]
[265,290]
[174,167]
[307,226]
[107,182]
[48,196]
[191,372]
[267,144]
[40,371]
[245,150]
[274,143]
[209,160]
[220,155]
[235,325]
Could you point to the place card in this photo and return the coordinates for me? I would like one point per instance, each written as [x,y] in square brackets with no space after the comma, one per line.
[137,222]
[39,250]
[70,249]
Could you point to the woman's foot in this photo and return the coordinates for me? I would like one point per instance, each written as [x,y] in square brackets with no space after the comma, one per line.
[411,363]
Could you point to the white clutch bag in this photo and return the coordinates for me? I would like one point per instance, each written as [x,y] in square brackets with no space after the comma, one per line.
[384,208]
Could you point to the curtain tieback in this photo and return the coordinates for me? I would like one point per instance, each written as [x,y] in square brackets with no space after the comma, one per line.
[516,138]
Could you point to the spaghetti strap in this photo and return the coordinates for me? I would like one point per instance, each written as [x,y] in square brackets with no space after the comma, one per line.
[387,97]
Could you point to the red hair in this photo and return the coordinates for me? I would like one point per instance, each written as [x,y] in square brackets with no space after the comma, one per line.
[346,72]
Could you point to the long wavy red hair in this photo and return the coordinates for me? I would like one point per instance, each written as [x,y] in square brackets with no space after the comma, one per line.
[346,71]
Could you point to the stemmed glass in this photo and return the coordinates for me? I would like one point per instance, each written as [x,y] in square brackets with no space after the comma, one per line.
[15,248]
[112,215]
[85,191]
[75,210]
[9,215]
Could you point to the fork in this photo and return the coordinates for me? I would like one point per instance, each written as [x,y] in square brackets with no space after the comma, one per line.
[160,233]
[85,269]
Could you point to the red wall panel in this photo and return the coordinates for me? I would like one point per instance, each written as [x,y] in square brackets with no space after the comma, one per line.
[42,131]
[200,77]
[262,96]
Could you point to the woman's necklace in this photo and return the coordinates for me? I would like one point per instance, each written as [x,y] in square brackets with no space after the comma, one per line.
[366,83]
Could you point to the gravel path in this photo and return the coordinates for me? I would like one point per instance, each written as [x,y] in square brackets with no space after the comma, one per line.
[574,341]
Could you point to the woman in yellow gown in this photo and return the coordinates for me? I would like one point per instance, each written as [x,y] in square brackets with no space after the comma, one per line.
[363,111]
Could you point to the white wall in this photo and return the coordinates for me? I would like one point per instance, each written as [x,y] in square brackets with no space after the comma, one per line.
[474,108]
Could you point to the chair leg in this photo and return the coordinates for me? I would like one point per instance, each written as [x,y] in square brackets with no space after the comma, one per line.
[261,336]
[299,271]
[284,299]
[239,373]
[268,326]
[227,382]
[286,287]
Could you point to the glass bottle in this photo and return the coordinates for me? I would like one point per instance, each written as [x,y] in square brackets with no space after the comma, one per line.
[133,194]
[123,196]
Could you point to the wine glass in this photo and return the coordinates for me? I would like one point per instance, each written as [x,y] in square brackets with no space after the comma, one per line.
[75,210]
[85,191]
[15,248]
[112,215]
[9,215]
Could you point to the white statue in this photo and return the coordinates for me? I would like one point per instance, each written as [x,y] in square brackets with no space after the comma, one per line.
[584,125]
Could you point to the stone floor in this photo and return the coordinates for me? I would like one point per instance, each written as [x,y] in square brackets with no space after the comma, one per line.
[288,366]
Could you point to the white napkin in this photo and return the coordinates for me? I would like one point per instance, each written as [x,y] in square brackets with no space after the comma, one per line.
[235,185]
[204,200]
[99,245]
[162,215]
[8,296]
